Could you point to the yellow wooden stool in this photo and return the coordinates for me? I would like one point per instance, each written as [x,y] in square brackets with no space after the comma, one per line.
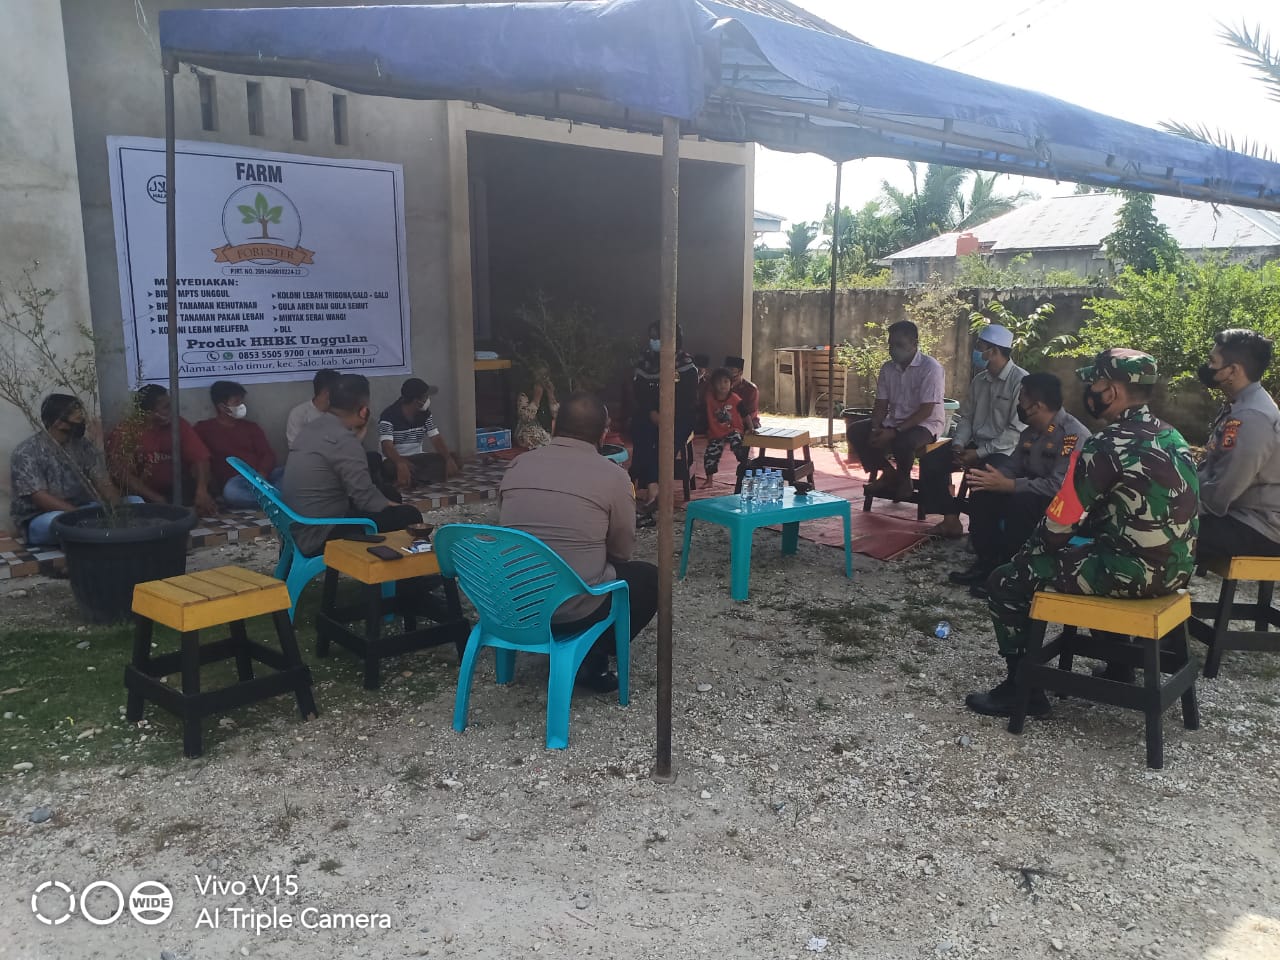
[1151,634]
[1217,633]
[197,601]
[353,558]
[782,439]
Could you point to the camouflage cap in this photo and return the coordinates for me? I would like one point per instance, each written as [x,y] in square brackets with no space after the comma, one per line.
[1123,365]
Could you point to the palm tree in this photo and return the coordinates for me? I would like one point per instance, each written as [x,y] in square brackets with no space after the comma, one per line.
[984,204]
[799,237]
[1255,49]
[940,204]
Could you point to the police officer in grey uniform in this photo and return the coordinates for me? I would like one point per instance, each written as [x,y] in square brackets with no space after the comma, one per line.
[1240,472]
[1008,497]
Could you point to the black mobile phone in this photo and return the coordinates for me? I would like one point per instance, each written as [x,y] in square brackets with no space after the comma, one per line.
[386,553]
[365,537]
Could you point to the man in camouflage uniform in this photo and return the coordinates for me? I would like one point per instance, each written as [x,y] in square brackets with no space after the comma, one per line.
[1131,489]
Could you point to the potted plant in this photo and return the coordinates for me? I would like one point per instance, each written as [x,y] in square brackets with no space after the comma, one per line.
[110,546]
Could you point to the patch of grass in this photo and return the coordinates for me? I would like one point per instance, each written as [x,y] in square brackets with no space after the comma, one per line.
[907,668]
[1265,668]
[413,773]
[853,659]
[60,690]
[337,825]
[282,822]
[1267,700]
[330,866]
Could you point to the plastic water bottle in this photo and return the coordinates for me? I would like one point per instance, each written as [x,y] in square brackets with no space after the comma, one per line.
[748,492]
[942,630]
[775,487]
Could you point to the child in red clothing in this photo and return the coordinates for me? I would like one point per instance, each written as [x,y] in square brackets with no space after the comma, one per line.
[724,422]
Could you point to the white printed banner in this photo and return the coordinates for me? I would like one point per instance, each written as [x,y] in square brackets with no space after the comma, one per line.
[286,264]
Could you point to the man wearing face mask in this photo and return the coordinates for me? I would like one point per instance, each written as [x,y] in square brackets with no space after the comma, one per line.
[1007,500]
[327,474]
[1131,490]
[55,470]
[230,433]
[987,430]
[908,413]
[401,429]
[1240,472]
[140,452]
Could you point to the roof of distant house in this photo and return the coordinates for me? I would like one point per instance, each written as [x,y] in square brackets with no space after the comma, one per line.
[1084,220]
[789,13]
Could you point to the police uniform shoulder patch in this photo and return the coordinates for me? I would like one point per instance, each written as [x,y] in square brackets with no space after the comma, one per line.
[1050,429]
[1069,443]
[1229,431]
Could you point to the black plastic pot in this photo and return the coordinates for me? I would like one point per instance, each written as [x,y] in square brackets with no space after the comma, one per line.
[108,554]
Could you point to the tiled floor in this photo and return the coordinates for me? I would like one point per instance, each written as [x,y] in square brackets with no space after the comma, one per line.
[478,482]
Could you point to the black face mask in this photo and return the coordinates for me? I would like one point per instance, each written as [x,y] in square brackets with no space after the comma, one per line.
[1209,376]
[76,430]
[1023,415]
[1094,403]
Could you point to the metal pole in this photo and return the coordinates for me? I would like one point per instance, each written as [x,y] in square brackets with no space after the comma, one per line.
[171,281]
[667,435]
[831,314]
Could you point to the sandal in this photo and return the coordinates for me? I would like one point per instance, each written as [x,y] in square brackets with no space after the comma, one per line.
[940,530]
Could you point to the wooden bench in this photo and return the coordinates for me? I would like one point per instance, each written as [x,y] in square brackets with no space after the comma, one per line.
[198,601]
[1217,633]
[370,644]
[777,438]
[1151,634]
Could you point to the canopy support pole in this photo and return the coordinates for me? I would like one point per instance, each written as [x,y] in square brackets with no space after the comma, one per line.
[171,280]
[831,314]
[670,206]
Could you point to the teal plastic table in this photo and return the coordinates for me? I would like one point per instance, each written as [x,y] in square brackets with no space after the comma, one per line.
[743,520]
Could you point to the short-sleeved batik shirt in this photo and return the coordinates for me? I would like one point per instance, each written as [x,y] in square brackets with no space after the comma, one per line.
[38,463]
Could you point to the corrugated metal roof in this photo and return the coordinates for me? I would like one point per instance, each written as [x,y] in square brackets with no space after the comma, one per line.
[790,13]
[1083,221]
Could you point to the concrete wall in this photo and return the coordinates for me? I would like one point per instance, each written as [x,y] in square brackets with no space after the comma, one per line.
[788,318]
[1084,262]
[38,182]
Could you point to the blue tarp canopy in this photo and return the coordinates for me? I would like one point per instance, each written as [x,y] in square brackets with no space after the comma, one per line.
[725,73]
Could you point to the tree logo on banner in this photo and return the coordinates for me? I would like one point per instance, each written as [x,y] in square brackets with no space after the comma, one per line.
[261,225]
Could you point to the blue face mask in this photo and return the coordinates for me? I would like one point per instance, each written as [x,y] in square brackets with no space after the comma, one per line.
[979,361]
[655,345]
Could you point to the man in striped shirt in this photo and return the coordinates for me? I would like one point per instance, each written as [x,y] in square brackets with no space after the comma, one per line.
[402,427]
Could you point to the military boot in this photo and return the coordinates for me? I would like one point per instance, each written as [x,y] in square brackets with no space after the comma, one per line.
[1000,700]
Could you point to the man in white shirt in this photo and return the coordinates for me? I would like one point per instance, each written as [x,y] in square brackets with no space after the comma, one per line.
[312,409]
[987,430]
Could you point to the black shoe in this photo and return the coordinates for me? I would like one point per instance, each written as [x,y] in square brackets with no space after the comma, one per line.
[1115,672]
[975,574]
[1001,699]
[979,591]
[606,682]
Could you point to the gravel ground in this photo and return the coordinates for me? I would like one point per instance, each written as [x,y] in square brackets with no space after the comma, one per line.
[833,796]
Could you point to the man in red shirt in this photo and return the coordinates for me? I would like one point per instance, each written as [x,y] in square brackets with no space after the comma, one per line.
[229,433]
[140,452]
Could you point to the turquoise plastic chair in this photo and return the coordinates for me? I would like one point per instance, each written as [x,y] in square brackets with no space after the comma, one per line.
[295,568]
[516,582]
